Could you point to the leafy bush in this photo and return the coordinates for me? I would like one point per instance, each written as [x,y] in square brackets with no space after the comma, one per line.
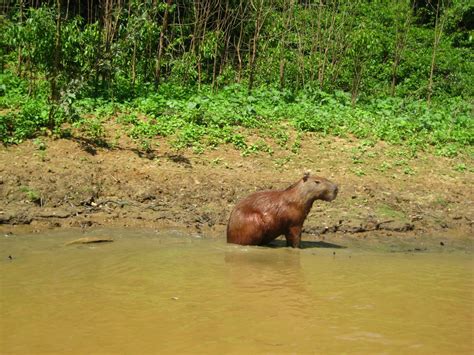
[27,123]
[210,119]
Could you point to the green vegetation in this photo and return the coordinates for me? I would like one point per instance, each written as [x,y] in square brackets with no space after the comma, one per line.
[390,212]
[31,194]
[249,74]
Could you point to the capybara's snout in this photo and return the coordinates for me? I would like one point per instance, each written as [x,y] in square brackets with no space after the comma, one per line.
[335,192]
[331,192]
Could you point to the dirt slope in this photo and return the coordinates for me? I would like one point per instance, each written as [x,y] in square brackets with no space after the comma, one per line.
[383,192]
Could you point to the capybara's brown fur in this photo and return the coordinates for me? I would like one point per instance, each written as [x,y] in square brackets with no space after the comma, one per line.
[263,216]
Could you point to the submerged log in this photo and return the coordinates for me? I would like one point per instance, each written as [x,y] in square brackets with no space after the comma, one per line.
[90,240]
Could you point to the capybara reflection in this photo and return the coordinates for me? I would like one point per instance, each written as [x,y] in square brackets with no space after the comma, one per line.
[263,216]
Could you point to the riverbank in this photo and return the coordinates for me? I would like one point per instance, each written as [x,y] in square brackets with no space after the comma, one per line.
[384,192]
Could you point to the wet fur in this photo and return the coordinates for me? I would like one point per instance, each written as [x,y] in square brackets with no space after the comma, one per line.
[263,216]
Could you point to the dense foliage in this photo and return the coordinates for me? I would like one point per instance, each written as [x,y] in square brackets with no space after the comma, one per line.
[203,71]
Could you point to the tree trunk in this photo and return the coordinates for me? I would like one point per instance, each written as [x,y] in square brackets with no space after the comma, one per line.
[134,64]
[358,68]
[216,47]
[399,48]
[54,98]
[56,58]
[67,11]
[238,52]
[161,44]
[283,44]
[301,57]
[324,55]
[259,21]
[340,42]
[317,38]
[252,60]
[437,37]
[20,54]
[201,18]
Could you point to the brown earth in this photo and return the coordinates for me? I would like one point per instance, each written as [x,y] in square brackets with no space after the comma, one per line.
[61,183]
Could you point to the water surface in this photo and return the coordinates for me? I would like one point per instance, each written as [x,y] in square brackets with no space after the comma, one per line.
[151,292]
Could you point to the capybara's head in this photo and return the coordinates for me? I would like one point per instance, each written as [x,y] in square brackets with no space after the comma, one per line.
[318,188]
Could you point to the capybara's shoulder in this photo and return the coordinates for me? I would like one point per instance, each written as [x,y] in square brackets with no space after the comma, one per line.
[260,200]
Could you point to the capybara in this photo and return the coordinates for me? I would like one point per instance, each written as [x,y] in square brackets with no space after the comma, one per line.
[263,216]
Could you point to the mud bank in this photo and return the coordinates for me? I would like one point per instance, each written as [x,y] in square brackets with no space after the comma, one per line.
[71,183]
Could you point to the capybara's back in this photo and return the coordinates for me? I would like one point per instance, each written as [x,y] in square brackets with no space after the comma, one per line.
[263,216]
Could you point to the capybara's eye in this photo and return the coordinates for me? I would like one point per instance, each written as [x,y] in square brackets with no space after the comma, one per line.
[317,181]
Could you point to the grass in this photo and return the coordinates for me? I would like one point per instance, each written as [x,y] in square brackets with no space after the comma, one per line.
[253,124]
[31,194]
[387,211]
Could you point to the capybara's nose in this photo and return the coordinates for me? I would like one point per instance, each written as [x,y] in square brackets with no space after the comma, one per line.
[336,189]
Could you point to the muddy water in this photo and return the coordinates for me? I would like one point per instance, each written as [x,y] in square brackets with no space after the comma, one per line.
[153,292]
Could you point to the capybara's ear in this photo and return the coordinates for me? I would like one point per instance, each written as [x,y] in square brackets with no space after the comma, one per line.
[306,175]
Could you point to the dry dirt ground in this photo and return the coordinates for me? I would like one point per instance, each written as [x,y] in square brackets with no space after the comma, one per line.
[384,192]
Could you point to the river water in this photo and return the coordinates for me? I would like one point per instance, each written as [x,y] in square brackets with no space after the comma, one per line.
[150,292]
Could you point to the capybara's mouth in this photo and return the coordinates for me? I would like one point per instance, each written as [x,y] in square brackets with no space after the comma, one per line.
[333,195]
